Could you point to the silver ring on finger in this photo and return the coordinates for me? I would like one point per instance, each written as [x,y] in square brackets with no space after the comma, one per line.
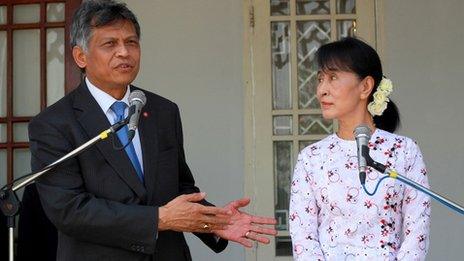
[247,233]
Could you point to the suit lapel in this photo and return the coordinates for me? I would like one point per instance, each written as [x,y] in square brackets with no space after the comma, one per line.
[94,121]
[149,142]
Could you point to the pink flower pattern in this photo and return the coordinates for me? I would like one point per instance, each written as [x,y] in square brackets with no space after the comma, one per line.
[332,218]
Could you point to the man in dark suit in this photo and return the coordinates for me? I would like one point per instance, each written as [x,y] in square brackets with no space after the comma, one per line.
[132,203]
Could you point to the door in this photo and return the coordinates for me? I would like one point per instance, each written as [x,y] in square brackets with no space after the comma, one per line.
[282,114]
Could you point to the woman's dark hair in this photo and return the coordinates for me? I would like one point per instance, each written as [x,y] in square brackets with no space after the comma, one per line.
[353,55]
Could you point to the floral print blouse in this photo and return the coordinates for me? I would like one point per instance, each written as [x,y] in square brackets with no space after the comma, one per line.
[332,218]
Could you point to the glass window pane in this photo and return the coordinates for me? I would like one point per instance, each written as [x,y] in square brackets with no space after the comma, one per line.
[20,132]
[2,74]
[55,12]
[2,14]
[283,246]
[26,14]
[21,165]
[314,124]
[2,167]
[305,143]
[346,6]
[3,133]
[280,59]
[21,162]
[346,28]
[310,36]
[307,7]
[283,166]
[26,72]
[280,7]
[55,65]
[283,125]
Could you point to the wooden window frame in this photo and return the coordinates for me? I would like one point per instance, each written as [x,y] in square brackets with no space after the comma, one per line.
[72,73]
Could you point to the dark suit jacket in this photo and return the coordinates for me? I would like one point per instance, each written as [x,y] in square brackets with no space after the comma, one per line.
[37,236]
[100,208]
[3,238]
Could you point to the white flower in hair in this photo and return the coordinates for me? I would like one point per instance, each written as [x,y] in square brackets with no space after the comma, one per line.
[379,104]
[380,96]
[376,109]
[386,86]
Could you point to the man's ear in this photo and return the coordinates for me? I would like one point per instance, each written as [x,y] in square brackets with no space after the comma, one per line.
[79,57]
[367,85]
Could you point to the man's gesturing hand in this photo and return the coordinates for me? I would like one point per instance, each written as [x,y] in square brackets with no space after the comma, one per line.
[184,214]
[245,227]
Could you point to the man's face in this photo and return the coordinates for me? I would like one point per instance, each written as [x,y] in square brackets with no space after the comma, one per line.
[113,57]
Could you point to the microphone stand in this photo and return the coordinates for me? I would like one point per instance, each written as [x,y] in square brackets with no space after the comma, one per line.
[393,174]
[9,202]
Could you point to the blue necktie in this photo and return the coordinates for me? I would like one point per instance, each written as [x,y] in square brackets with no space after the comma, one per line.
[118,108]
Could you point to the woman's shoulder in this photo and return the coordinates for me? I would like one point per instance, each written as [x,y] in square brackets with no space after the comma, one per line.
[399,141]
[317,148]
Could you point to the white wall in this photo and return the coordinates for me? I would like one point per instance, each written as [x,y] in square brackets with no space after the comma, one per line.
[192,54]
[425,60]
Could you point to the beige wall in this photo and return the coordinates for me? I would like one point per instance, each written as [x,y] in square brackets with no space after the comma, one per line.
[424,54]
[192,54]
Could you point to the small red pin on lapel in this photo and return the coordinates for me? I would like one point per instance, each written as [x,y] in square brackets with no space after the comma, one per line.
[145,114]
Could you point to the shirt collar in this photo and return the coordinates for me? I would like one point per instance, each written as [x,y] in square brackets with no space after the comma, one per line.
[104,99]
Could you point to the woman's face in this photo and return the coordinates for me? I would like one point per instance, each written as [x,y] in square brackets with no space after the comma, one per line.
[341,94]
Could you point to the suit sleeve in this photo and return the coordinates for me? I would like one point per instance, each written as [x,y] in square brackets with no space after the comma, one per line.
[78,213]
[187,186]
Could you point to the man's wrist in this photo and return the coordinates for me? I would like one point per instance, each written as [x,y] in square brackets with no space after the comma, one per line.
[162,218]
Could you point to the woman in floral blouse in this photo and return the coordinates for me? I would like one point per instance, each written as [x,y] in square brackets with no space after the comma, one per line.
[331,217]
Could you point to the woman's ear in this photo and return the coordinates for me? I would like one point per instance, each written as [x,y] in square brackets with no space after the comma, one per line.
[367,86]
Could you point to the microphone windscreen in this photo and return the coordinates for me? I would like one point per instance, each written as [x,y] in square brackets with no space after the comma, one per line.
[137,96]
[362,130]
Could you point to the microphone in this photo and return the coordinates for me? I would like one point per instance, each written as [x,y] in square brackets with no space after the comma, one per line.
[362,133]
[137,100]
